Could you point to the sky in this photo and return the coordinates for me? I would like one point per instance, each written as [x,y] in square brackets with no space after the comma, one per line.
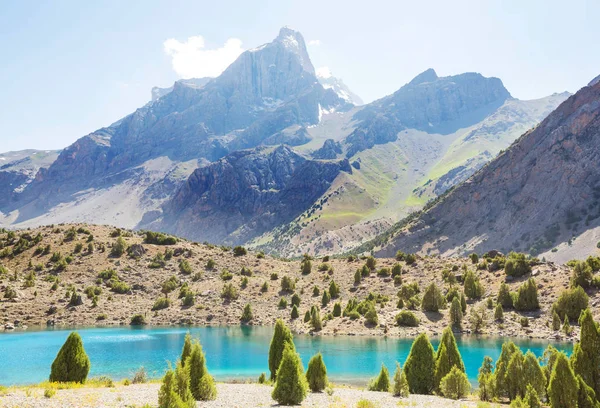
[69,67]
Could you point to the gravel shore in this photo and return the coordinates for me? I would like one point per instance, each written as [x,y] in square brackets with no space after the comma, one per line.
[229,396]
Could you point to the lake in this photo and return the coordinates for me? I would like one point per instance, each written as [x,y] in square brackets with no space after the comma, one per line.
[231,352]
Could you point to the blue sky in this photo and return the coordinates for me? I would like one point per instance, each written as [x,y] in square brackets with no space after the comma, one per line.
[70,67]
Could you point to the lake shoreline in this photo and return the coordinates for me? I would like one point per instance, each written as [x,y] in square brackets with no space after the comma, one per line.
[228,395]
[555,336]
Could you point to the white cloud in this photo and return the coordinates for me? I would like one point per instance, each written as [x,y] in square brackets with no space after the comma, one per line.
[323,72]
[314,43]
[191,60]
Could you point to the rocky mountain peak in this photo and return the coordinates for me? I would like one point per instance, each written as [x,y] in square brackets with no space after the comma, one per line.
[594,81]
[428,75]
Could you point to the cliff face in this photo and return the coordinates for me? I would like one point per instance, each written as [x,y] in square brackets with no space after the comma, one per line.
[246,193]
[543,190]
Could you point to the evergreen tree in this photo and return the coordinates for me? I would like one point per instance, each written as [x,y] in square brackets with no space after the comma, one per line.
[71,363]
[526,297]
[447,356]
[504,296]
[456,314]
[455,384]
[281,336]
[499,313]
[315,319]
[334,290]
[169,395]
[566,328]
[381,382]
[400,383]
[508,349]
[187,348]
[516,383]
[555,321]
[337,309]
[182,381]
[532,400]
[325,299]
[563,387]
[487,386]
[247,313]
[586,397]
[533,374]
[295,313]
[357,277]
[585,359]
[291,385]
[316,374]
[433,300]
[420,366]
[201,382]
[473,288]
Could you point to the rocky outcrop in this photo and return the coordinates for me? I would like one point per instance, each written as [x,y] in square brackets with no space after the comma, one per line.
[330,150]
[339,87]
[246,193]
[541,191]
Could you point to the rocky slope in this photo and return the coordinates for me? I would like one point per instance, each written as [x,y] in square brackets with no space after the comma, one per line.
[406,149]
[246,193]
[542,191]
[146,272]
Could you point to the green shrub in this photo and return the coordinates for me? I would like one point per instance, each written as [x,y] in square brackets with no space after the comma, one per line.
[316,373]
[161,303]
[305,266]
[295,314]
[291,385]
[371,263]
[504,296]
[381,382]
[49,393]
[337,309]
[262,378]
[185,267]
[384,272]
[175,391]
[226,275]
[210,264]
[455,384]
[526,297]
[158,238]
[239,251]
[71,363]
[499,313]
[247,313]
[334,290]
[315,319]
[282,303]
[287,284]
[582,275]
[325,299]
[571,303]
[447,357]
[138,320]
[229,292]
[516,265]
[118,248]
[410,259]
[473,288]
[406,318]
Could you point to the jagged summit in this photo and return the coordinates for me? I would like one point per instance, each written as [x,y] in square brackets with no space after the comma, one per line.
[594,81]
[428,75]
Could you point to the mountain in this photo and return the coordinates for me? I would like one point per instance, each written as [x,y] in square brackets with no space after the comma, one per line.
[338,86]
[405,149]
[275,155]
[119,173]
[18,169]
[543,192]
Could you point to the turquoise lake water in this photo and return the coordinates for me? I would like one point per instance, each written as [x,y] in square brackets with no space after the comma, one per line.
[232,352]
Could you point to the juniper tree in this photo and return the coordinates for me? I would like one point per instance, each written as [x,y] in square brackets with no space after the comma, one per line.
[504,296]
[585,359]
[295,313]
[400,387]
[473,288]
[487,386]
[563,387]
[455,384]
[456,314]
[499,313]
[447,356]
[187,348]
[281,336]
[420,366]
[432,299]
[291,385]
[381,382]
[508,349]
[586,397]
[201,382]
[532,399]
[174,391]
[533,374]
[71,363]
[316,373]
